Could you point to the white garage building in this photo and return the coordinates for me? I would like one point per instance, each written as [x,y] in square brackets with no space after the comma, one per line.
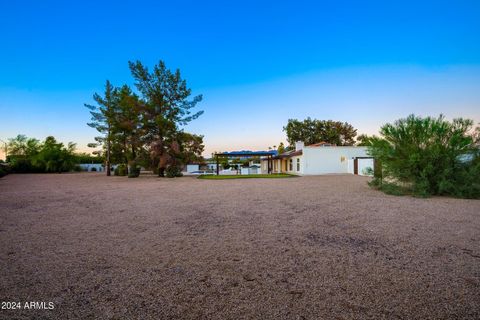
[320,158]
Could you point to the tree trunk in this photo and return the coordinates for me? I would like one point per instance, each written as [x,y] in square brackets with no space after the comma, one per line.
[108,153]
[161,171]
[125,148]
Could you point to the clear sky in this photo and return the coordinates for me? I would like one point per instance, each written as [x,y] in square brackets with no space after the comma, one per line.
[257,63]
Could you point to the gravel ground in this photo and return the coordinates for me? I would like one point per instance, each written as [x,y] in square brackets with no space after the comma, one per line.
[324,247]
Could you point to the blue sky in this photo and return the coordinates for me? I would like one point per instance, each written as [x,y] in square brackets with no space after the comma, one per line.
[257,63]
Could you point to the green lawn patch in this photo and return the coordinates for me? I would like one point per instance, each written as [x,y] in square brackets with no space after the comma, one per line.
[246,176]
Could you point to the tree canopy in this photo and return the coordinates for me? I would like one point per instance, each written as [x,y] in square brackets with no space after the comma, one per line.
[312,131]
[428,156]
[30,155]
[146,127]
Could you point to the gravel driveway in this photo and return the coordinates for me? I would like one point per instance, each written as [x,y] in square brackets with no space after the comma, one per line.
[324,247]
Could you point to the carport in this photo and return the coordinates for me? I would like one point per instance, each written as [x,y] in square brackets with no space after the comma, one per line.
[247,154]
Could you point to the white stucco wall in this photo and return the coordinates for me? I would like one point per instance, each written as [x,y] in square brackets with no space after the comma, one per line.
[325,160]
[192,167]
[212,166]
[88,166]
[350,166]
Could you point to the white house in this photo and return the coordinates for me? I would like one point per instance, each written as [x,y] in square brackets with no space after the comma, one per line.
[193,167]
[320,158]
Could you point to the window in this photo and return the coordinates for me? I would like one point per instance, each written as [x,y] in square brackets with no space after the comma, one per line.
[291,165]
[298,164]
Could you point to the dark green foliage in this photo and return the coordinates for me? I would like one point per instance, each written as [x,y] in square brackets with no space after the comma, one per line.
[29,155]
[428,156]
[167,105]
[145,128]
[120,170]
[93,169]
[54,157]
[133,170]
[173,171]
[391,188]
[224,163]
[4,170]
[364,140]
[102,120]
[87,158]
[313,131]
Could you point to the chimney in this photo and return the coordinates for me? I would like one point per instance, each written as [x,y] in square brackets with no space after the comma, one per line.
[299,145]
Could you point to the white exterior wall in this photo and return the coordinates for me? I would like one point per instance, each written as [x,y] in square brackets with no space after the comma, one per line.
[264,166]
[350,166]
[212,166]
[192,167]
[88,166]
[325,160]
[302,165]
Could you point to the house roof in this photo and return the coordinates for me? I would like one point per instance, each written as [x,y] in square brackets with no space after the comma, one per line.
[322,144]
[246,153]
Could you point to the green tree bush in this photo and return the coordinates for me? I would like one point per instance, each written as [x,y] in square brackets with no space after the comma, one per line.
[133,171]
[147,128]
[428,156]
[120,170]
[87,158]
[4,170]
[55,157]
[28,155]
[173,171]
[313,131]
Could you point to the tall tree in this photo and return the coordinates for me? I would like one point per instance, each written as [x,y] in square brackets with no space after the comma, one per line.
[102,120]
[167,107]
[21,151]
[313,131]
[54,156]
[364,140]
[21,145]
[191,147]
[30,155]
[127,127]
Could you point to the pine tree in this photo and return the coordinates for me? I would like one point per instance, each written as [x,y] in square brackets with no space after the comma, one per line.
[102,119]
[167,107]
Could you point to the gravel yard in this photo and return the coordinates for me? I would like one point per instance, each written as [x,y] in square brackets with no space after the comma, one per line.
[324,247]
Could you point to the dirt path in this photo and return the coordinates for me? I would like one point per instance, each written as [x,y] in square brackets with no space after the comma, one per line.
[324,247]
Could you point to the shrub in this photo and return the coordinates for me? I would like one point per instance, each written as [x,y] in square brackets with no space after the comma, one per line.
[77,168]
[173,171]
[120,170]
[427,156]
[389,188]
[134,172]
[4,170]
[93,169]
[29,155]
